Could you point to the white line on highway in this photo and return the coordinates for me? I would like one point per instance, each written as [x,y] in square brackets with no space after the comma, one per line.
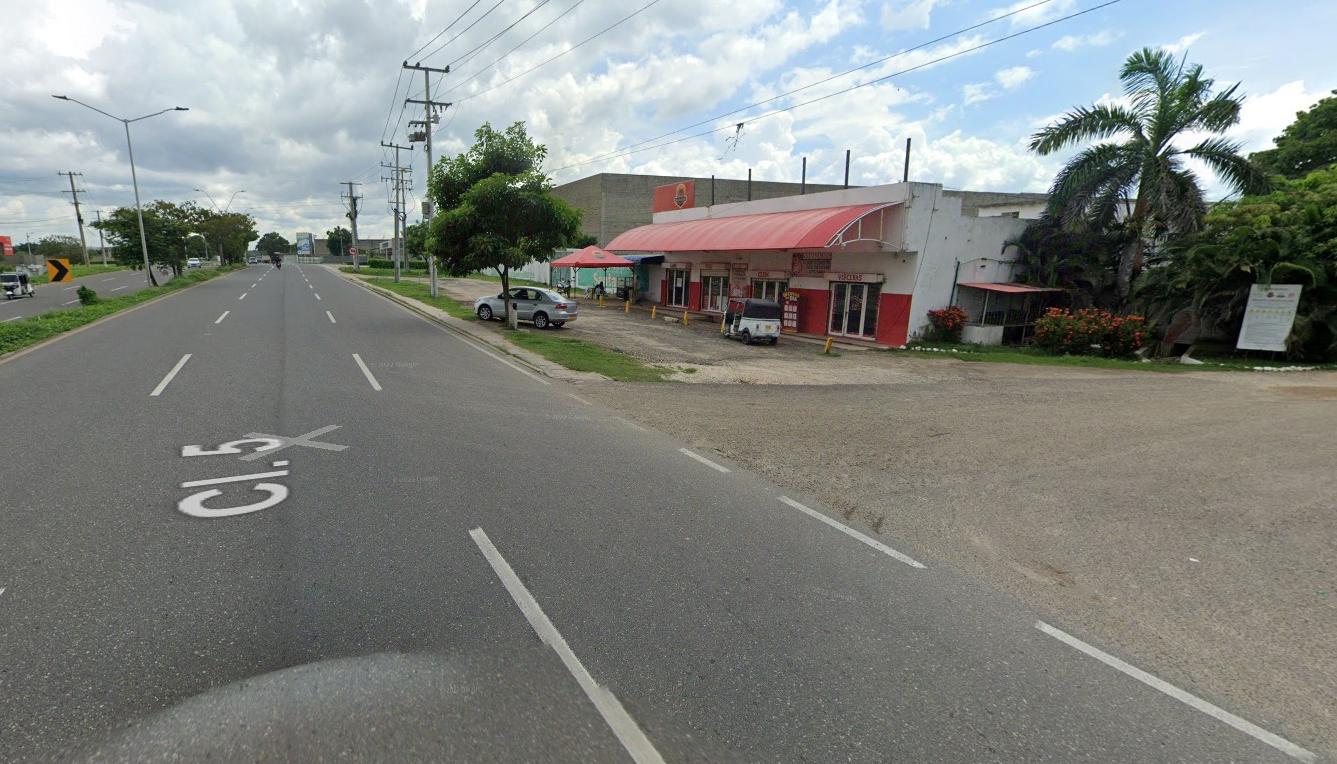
[71,302]
[470,343]
[66,289]
[308,286]
[243,295]
[331,315]
[317,295]
[1193,701]
[704,460]
[113,278]
[15,318]
[374,384]
[119,288]
[610,708]
[848,531]
[582,400]
[253,285]
[220,318]
[633,425]
[233,479]
[167,380]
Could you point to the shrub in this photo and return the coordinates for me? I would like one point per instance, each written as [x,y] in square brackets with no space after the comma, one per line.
[86,296]
[373,262]
[947,323]
[1090,331]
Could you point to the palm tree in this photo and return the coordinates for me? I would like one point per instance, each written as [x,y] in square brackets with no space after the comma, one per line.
[1145,169]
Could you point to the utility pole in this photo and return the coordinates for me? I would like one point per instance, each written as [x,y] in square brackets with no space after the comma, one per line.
[398,180]
[101,247]
[352,215]
[430,117]
[74,193]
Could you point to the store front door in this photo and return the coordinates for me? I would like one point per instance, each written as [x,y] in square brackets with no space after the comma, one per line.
[714,293]
[854,309]
[677,287]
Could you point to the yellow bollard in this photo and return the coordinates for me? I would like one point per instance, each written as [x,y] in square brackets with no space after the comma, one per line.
[827,349]
[626,306]
[684,318]
[652,310]
[721,325]
[601,300]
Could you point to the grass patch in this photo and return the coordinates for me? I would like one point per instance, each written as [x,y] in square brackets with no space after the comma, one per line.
[80,271]
[585,356]
[366,271]
[1037,357]
[423,293]
[15,335]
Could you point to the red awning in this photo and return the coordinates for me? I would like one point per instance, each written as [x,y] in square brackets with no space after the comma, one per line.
[592,257]
[798,229]
[1008,288]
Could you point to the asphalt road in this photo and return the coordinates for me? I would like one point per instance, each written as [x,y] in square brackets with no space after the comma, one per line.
[493,569]
[58,296]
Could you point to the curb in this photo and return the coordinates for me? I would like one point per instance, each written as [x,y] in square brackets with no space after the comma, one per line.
[413,305]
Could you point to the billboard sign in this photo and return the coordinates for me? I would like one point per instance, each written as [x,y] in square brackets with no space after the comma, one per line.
[306,244]
[1269,316]
[674,196]
[6,246]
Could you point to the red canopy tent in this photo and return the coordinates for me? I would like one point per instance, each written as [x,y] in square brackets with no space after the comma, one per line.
[592,257]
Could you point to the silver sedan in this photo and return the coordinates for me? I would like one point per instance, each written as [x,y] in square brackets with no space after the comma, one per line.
[544,307]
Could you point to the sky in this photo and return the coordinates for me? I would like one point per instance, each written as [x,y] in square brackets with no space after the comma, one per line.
[287,100]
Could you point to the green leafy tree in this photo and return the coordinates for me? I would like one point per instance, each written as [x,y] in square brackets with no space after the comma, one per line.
[415,241]
[166,227]
[229,233]
[497,209]
[271,244]
[339,239]
[1144,174]
[1307,144]
[1081,262]
[57,246]
[1287,236]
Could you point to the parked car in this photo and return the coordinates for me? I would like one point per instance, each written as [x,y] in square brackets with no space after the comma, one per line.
[543,307]
[194,262]
[753,321]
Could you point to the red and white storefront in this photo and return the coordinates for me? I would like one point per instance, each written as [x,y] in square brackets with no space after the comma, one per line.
[841,262]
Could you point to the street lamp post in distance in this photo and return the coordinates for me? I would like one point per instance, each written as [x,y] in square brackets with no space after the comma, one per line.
[222,211]
[134,179]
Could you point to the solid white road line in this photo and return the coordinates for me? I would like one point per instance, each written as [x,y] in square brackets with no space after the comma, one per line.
[220,318]
[113,278]
[1243,725]
[609,707]
[633,425]
[15,318]
[468,342]
[374,384]
[704,460]
[317,295]
[243,295]
[66,289]
[331,315]
[170,376]
[848,531]
[119,288]
[71,302]
[582,400]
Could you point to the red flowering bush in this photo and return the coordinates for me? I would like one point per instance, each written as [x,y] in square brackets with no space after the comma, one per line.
[947,323]
[1090,331]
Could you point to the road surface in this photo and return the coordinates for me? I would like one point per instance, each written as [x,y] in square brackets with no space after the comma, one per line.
[463,560]
[58,296]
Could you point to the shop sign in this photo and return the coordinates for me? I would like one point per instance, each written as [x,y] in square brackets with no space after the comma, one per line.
[789,315]
[769,275]
[1269,317]
[811,264]
[678,266]
[861,278]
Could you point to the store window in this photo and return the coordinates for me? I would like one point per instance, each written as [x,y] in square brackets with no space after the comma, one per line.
[677,287]
[766,289]
[714,293]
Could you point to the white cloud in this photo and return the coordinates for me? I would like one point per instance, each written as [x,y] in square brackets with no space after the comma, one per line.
[977,92]
[1183,43]
[1014,76]
[1073,42]
[1034,53]
[1263,117]
[900,15]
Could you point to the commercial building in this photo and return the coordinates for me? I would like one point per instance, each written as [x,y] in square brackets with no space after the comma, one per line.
[859,263]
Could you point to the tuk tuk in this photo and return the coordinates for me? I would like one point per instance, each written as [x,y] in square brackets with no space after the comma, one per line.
[16,285]
[752,320]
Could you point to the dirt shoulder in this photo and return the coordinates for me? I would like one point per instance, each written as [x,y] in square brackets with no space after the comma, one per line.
[1185,521]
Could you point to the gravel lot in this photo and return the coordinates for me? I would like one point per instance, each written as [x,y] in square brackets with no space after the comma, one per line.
[1184,521]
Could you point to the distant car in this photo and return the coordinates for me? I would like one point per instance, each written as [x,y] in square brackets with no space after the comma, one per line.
[194,262]
[543,307]
[252,261]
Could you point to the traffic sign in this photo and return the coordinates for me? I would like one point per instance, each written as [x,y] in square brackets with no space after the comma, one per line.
[58,270]
[352,250]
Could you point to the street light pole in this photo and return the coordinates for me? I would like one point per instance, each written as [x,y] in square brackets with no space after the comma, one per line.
[134,178]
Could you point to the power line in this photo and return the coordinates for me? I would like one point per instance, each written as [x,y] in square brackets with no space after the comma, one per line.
[517,47]
[883,78]
[608,28]
[393,97]
[462,32]
[823,81]
[443,31]
[491,39]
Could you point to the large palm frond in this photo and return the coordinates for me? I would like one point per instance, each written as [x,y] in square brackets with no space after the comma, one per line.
[1219,113]
[1089,176]
[1224,157]
[1174,196]
[1086,123]
[1148,77]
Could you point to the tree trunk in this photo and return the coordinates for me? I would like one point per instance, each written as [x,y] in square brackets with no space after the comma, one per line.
[1130,260]
[511,319]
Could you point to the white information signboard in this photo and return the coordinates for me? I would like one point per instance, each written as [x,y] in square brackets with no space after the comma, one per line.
[1269,316]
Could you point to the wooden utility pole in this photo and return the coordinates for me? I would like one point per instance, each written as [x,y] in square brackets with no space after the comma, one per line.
[74,193]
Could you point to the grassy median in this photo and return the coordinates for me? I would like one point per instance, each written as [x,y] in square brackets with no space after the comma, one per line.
[80,271]
[15,335]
